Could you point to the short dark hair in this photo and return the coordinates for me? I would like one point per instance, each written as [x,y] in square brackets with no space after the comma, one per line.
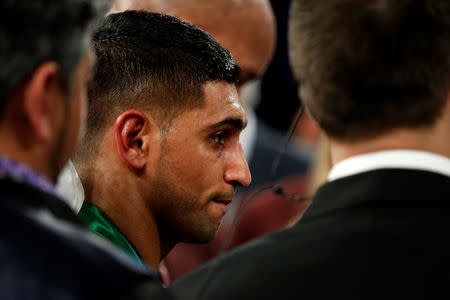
[153,62]
[32,32]
[367,67]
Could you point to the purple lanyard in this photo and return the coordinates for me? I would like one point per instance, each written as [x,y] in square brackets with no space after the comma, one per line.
[20,173]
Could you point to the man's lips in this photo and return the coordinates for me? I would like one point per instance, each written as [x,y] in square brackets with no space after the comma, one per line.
[223,201]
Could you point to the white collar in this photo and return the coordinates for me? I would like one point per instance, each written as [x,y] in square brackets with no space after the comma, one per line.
[390,159]
[70,187]
[248,135]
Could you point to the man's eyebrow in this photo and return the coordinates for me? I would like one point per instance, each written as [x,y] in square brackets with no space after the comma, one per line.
[237,123]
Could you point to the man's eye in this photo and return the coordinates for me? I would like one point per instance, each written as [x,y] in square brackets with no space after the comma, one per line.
[219,138]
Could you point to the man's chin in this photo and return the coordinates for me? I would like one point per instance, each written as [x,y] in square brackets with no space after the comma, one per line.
[202,236]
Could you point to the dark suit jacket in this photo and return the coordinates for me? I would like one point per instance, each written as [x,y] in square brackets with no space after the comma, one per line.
[45,253]
[382,234]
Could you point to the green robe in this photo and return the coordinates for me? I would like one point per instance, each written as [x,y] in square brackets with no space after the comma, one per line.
[99,223]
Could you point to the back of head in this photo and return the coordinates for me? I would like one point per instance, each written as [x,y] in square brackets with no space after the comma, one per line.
[33,32]
[154,63]
[368,67]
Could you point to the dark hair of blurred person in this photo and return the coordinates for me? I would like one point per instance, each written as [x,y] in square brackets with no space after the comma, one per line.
[375,75]
[161,158]
[45,253]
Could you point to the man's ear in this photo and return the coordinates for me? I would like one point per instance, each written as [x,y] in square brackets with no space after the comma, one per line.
[38,92]
[130,129]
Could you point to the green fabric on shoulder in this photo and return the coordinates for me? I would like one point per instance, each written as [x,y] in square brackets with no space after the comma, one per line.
[99,223]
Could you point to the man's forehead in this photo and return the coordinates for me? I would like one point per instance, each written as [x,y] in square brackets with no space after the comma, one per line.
[222,102]
[233,100]
[221,93]
[221,106]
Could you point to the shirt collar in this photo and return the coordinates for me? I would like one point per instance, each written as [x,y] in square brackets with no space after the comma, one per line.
[21,173]
[391,159]
[98,222]
[70,188]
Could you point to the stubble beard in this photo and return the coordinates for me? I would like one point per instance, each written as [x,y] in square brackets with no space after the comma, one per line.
[178,216]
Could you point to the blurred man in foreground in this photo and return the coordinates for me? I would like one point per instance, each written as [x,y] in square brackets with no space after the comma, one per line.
[45,252]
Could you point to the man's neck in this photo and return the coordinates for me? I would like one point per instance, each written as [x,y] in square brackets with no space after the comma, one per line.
[121,204]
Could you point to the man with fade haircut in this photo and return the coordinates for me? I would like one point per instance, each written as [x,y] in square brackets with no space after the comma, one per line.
[375,75]
[161,159]
[45,252]
[247,29]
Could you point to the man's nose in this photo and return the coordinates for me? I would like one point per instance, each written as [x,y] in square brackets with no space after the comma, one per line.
[237,172]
